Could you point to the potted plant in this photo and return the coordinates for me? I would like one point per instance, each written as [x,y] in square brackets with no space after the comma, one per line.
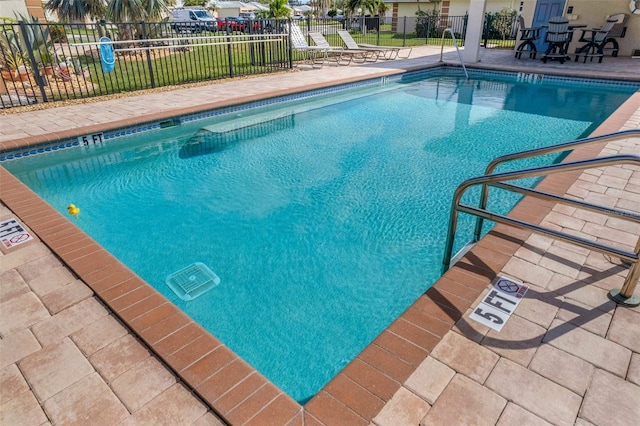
[13,65]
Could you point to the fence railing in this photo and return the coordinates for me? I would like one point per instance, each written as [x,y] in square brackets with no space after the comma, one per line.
[43,62]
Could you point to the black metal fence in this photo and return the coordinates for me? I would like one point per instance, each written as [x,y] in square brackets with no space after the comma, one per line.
[50,62]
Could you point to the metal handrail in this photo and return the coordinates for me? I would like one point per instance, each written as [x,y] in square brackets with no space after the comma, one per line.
[455,43]
[543,151]
[622,296]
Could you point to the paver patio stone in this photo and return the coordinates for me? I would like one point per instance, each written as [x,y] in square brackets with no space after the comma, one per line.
[53,279]
[98,334]
[562,261]
[566,221]
[62,298]
[587,294]
[515,415]
[12,285]
[609,234]
[634,370]
[17,346]
[175,405]
[68,321]
[24,409]
[21,312]
[517,341]
[208,419]
[602,353]
[23,255]
[118,357]
[465,356]
[54,367]
[625,330]
[592,320]
[534,393]
[12,383]
[528,272]
[611,401]
[429,379]
[465,402]
[88,401]
[469,328]
[141,384]
[565,369]
[539,306]
[404,408]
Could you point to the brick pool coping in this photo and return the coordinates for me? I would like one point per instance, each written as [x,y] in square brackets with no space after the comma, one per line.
[232,388]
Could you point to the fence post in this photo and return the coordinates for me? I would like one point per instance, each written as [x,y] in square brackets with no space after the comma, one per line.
[465,21]
[149,62]
[404,33]
[229,51]
[290,46]
[32,58]
[487,26]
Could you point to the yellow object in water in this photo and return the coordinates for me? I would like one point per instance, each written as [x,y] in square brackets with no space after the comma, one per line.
[73,210]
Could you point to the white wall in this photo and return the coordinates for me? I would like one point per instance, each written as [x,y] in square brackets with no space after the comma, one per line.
[461,7]
[9,8]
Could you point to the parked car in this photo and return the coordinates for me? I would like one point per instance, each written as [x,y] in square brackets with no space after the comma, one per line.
[298,17]
[194,20]
[236,23]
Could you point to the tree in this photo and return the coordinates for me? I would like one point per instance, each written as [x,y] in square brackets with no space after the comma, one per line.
[76,10]
[201,3]
[502,22]
[279,9]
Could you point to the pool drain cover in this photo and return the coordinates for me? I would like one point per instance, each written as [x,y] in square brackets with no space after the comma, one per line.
[190,282]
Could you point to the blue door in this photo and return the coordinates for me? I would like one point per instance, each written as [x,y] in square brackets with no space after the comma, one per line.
[546,9]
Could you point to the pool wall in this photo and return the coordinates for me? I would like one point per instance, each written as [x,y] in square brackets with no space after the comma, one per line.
[229,385]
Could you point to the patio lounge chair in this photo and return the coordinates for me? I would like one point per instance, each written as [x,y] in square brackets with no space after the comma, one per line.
[314,55]
[527,38]
[619,30]
[359,56]
[558,37]
[595,39]
[386,52]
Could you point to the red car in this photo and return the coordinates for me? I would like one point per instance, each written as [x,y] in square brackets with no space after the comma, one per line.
[236,24]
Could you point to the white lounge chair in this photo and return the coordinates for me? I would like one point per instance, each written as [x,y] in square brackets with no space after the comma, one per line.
[315,56]
[386,52]
[356,55]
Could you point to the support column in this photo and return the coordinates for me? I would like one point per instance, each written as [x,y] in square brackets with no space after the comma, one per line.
[471,53]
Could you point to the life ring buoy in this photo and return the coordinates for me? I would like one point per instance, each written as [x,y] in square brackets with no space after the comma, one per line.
[634,7]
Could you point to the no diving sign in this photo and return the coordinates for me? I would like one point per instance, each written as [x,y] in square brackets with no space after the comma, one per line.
[13,233]
[498,305]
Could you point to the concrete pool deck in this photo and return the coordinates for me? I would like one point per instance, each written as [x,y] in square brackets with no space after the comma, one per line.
[567,355]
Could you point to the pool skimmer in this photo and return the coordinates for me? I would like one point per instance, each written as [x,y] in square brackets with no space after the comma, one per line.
[192,281]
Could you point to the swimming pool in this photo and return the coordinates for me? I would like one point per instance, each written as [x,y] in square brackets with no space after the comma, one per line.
[393,198]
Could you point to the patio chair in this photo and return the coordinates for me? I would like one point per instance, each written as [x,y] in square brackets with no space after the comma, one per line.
[619,30]
[386,52]
[527,38]
[358,56]
[314,55]
[595,41]
[557,37]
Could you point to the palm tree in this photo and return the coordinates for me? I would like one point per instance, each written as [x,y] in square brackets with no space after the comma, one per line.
[279,9]
[76,10]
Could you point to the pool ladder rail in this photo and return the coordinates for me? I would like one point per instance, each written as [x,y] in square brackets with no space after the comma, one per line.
[622,296]
[455,43]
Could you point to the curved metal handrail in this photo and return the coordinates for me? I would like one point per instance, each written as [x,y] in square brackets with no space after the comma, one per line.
[455,43]
[623,296]
[543,151]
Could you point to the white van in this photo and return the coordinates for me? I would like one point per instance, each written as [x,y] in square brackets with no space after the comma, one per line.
[194,20]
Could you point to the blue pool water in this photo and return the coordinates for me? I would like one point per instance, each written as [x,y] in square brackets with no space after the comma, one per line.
[323,225]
